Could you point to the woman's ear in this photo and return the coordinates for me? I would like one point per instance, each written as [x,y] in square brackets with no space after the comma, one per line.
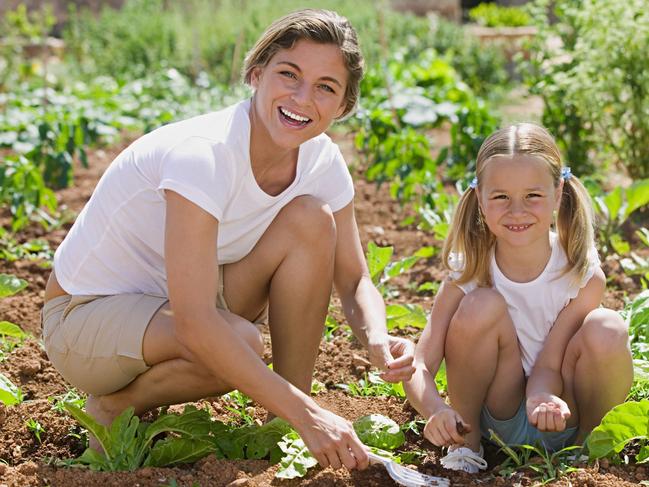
[255,75]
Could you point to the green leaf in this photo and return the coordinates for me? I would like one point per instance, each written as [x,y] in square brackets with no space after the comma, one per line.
[401,266]
[297,458]
[620,425]
[10,285]
[97,430]
[10,329]
[379,431]
[638,317]
[176,450]
[377,259]
[9,393]
[637,196]
[643,454]
[403,315]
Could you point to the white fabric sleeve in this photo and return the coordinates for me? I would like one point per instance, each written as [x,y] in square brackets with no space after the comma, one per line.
[337,187]
[456,263]
[593,264]
[192,170]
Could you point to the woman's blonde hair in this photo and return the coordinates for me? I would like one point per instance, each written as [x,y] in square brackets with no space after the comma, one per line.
[470,238]
[321,26]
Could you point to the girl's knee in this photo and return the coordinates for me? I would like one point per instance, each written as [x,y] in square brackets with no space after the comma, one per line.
[604,333]
[478,312]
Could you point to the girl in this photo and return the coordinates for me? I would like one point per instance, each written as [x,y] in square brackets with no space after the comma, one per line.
[529,353]
[250,208]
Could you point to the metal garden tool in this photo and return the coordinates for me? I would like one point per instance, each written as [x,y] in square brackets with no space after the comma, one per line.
[406,476]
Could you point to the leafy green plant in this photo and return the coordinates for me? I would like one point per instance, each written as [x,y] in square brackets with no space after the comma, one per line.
[625,423]
[239,404]
[71,396]
[10,394]
[552,465]
[636,314]
[36,428]
[373,385]
[11,337]
[297,458]
[10,285]
[379,431]
[36,249]
[493,15]
[614,209]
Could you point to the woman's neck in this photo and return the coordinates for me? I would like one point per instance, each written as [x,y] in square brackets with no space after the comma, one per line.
[523,264]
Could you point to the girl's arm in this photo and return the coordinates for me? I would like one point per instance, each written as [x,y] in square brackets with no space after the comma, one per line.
[192,272]
[421,388]
[363,304]
[545,408]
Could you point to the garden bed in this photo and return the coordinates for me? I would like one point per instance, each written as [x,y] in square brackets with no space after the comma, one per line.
[29,462]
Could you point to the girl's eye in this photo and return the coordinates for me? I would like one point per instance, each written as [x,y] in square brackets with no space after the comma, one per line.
[499,197]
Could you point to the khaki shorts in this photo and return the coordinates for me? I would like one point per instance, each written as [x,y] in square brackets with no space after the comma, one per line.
[95,342]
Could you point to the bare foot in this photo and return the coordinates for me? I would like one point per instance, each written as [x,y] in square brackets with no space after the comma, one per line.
[96,408]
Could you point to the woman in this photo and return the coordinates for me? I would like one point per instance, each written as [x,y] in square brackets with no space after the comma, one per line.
[129,315]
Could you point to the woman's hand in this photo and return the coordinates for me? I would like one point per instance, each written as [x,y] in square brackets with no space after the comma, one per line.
[547,412]
[393,356]
[332,440]
[446,428]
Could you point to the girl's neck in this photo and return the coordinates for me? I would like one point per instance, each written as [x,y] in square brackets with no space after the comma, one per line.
[523,264]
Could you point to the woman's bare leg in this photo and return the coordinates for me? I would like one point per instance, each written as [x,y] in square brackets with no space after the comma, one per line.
[597,369]
[483,363]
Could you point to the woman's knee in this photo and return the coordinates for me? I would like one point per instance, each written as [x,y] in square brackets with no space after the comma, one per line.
[604,333]
[479,312]
[309,220]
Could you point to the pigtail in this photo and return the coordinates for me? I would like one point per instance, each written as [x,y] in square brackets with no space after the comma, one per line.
[470,239]
[575,226]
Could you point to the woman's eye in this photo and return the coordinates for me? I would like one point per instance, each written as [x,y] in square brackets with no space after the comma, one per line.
[288,74]
[534,195]
[327,88]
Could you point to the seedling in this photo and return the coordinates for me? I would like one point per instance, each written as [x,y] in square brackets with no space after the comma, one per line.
[71,396]
[10,394]
[373,385]
[36,428]
[240,405]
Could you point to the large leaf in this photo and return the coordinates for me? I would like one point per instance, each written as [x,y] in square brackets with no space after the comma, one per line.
[623,423]
[94,428]
[9,393]
[10,285]
[401,316]
[637,196]
[401,266]
[379,431]
[175,450]
[10,329]
[297,458]
[377,259]
[638,317]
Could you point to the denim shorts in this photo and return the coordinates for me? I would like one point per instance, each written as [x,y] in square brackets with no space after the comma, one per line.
[518,431]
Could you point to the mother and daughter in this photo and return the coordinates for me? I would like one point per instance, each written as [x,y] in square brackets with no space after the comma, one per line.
[202,229]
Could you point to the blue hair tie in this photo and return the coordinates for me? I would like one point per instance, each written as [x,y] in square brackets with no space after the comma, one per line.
[566,173]
[474,183]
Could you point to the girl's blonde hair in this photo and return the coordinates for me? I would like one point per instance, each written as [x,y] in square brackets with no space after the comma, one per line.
[321,26]
[470,238]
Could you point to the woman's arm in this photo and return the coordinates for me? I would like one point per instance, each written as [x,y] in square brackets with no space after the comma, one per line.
[421,388]
[363,304]
[545,385]
[192,272]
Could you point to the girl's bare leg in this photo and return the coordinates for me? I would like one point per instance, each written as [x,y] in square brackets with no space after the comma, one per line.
[597,369]
[483,363]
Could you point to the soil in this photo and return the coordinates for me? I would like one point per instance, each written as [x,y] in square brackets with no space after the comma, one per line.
[26,461]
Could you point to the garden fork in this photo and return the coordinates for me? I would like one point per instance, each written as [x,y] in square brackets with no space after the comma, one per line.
[406,476]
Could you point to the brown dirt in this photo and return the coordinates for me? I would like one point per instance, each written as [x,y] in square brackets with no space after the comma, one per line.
[24,461]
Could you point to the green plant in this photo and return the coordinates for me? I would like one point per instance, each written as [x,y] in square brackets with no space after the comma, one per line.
[239,404]
[625,423]
[11,337]
[34,249]
[552,465]
[36,428]
[492,15]
[379,431]
[297,458]
[71,396]
[594,82]
[614,209]
[10,394]
[10,285]
[373,385]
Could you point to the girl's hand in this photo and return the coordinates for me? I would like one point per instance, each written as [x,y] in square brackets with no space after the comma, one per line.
[394,356]
[547,412]
[446,428]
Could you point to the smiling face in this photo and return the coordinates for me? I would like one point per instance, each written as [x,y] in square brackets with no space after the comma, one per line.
[517,197]
[297,94]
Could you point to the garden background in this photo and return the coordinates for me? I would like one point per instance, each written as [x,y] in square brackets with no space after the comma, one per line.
[78,85]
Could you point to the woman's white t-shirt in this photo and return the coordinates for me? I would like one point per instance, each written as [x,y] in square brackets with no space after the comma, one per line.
[534,306]
[116,244]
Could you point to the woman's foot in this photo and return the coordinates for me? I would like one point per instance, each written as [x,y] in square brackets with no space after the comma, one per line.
[97,408]
[464,458]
